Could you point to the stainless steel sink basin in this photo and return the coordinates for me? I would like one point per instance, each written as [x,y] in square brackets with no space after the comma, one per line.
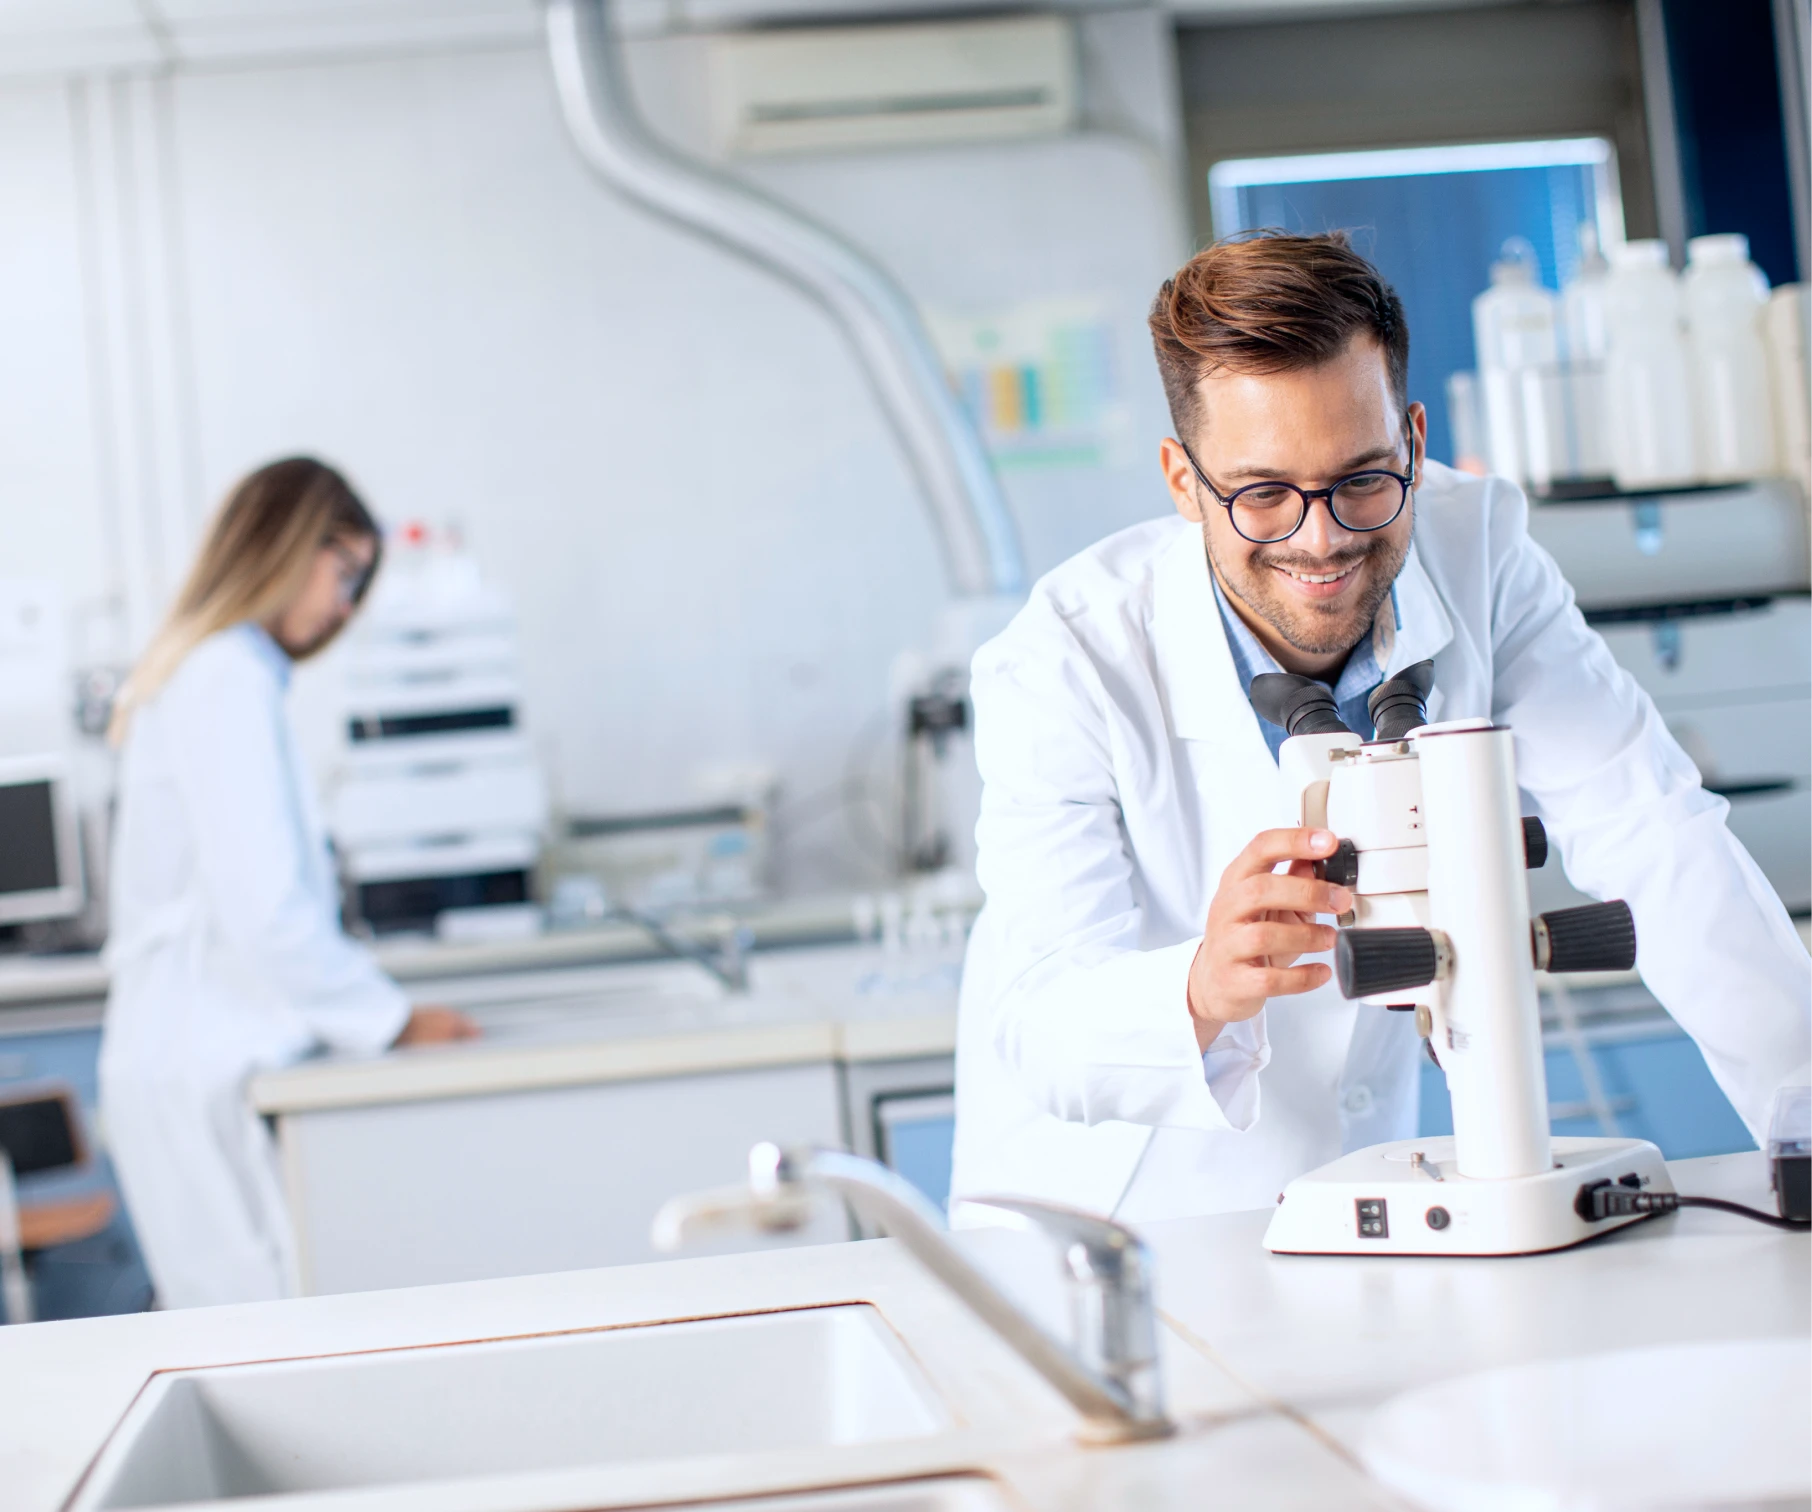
[775,1381]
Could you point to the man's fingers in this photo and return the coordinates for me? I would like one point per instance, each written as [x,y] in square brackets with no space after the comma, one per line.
[1273,892]
[1287,981]
[1268,847]
[1279,941]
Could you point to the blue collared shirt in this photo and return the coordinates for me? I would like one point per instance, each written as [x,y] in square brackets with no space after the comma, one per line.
[269,652]
[1362,673]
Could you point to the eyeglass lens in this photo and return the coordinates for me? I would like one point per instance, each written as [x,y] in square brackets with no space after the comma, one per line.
[1272,511]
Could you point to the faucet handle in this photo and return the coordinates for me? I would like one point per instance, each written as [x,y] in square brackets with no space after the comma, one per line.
[1107,1248]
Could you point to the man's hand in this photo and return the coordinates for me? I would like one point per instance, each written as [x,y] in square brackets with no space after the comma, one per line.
[1260,921]
[436,1026]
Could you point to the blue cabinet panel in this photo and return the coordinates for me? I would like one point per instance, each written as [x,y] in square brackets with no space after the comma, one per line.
[1659,1089]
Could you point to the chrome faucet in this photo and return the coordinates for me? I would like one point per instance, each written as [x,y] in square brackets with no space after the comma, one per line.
[1111,1377]
[729,963]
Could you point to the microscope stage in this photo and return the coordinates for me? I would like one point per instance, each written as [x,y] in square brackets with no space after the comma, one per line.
[1408,1198]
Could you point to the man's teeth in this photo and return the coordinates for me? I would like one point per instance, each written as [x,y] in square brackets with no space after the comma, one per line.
[1319,577]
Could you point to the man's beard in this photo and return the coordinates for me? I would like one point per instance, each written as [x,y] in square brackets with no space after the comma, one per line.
[1312,629]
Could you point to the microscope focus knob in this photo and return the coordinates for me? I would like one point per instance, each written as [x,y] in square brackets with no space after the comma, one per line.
[1370,961]
[1597,937]
[1535,843]
[1341,868]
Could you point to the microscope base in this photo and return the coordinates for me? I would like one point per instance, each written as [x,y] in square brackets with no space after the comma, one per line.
[1378,1201]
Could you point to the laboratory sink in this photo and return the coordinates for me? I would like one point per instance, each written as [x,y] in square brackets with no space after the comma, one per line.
[804,1379]
[954,1493]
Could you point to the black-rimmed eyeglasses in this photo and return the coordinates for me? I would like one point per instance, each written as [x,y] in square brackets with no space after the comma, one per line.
[1359,502]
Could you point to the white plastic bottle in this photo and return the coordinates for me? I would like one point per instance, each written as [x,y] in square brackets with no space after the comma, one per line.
[1586,343]
[1515,326]
[1726,297]
[1786,323]
[1648,390]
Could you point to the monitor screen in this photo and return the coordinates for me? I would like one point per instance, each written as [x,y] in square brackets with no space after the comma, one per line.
[28,838]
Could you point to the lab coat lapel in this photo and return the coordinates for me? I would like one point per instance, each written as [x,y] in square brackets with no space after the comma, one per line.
[1207,707]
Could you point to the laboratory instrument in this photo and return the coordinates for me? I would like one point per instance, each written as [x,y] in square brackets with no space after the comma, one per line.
[1432,844]
[1112,1377]
[438,805]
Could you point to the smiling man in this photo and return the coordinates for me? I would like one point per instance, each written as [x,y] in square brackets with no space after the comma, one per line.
[1148,1026]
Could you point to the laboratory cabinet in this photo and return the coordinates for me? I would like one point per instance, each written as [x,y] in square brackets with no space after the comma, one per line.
[1732,679]
[539,1179]
[1652,1085]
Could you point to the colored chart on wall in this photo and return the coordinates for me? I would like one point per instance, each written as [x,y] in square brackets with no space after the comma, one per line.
[1042,381]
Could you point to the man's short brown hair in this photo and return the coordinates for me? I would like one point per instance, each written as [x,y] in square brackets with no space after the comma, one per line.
[1270,303]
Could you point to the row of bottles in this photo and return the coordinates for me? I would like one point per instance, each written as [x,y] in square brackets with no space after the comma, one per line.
[1634,373]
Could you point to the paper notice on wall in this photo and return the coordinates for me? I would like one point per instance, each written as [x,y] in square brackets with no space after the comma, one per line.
[1043,382]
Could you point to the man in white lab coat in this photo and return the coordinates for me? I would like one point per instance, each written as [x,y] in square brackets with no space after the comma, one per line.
[1148,1026]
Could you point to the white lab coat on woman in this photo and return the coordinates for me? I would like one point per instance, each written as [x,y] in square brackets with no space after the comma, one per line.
[227,958]
[1124,768]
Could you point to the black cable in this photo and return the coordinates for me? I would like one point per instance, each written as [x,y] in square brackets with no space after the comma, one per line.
[1609,1200]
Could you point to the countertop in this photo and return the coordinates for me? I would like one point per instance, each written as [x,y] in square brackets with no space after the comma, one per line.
[1272,1362]
[553,1028]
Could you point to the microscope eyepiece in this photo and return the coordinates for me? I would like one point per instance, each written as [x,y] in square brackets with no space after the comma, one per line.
[1299,704]
[1400,704]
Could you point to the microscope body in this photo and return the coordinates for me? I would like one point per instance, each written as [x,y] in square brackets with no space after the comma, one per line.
[1433,846]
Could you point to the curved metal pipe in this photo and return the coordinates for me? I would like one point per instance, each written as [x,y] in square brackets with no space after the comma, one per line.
[969,512]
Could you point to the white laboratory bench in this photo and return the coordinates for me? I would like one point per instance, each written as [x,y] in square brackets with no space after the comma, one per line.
[1273,1363]
[594,1094]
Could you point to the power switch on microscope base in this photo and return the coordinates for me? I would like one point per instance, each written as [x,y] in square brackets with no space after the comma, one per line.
[1373,1218]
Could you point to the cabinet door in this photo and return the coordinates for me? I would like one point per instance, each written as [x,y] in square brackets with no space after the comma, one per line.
[458,1189]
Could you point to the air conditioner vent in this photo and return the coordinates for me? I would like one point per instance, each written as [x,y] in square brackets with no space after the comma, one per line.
[841,88]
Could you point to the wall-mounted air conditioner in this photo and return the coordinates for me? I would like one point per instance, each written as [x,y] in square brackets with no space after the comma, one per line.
[830,88]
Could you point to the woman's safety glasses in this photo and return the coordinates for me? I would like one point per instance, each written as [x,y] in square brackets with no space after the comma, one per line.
[1268,512]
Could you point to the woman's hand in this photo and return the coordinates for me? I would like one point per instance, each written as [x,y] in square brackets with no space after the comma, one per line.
[436,1026]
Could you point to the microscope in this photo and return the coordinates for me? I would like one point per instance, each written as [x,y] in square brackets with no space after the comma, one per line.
[1433,845]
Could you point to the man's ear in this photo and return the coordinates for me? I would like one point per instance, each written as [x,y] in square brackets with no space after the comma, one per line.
[1179,477]
[1418,434]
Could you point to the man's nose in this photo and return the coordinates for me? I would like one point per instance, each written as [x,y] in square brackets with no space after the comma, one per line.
[1320,534]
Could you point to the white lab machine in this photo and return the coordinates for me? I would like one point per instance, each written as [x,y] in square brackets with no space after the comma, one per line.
[1432,845]
[438,805]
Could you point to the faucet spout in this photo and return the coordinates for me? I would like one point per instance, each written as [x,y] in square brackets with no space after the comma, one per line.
[729,963]
[1112,1379]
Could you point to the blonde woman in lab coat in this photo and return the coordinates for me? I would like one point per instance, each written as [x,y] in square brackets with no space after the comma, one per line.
[227,955]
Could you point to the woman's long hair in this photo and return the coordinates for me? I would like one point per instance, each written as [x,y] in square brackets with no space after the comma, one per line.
[254,559]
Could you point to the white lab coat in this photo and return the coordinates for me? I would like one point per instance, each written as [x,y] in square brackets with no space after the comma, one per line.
[1123,769]
[227,957]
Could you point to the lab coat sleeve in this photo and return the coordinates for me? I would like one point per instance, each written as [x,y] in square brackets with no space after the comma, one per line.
[1633,821]
[1092,1026]
[229,752]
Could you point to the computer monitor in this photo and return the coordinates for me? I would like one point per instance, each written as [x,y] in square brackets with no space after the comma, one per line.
[40,856]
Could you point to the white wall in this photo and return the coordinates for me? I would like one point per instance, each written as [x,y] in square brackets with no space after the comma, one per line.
[671,460]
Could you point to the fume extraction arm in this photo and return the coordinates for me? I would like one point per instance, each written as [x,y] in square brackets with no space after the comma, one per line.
[968,511]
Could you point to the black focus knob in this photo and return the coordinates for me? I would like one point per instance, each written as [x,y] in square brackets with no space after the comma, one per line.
[1597,937]
[1300,705]
[1370,961]
[1341,868]
[1535,843]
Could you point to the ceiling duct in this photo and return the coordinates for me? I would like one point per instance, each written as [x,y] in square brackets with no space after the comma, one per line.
[968,511]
